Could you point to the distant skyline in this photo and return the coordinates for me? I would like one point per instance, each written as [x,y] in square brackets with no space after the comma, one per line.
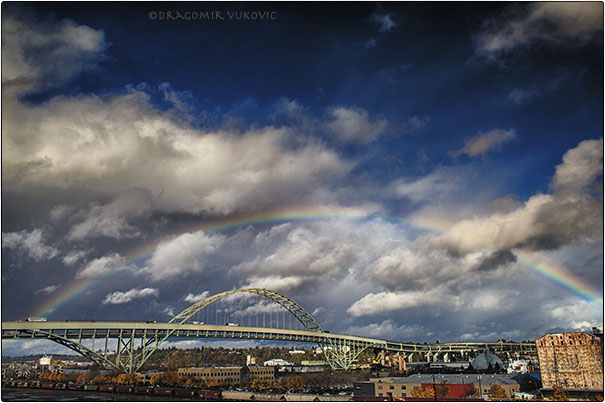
[407,171]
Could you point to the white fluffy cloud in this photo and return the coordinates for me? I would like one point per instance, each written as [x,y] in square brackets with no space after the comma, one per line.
[375,303]
[73,257]
[581,166]
[186,254]
[384,20]
[120,297]
[426,188]
[300,256]
[102,147]
[484,142]
[30,242]
[354,125]
[554,22]
[111,220]
[62,49]
[48,290]
[102,266]
[544,221]
[196,298]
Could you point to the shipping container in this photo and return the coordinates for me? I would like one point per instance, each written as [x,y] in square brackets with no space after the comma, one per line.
[47,385]
[185,392]
[91,387]
[209,394]
[124,389]
[106,388]
[143,390]
[162,391]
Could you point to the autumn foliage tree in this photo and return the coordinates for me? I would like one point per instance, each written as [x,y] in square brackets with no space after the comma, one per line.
[44,375]
[559,394]
[100,379]
[295,383]
[423,391]
[497,392]
[212,383]
[443,390]
[257,384]
[82,378]
[128,379]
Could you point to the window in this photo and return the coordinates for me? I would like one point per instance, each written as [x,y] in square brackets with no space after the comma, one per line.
[379,386]
[391,387]
[380,394]
[403,387]
[403,394]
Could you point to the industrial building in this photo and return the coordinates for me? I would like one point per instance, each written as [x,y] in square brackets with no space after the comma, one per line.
[573,361]
[458,385]
[229,375]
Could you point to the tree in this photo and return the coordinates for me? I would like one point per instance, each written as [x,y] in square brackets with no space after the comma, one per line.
[100,379]
[497,392]
[190,382]
[128,379]
[295,383]
[154,379]
[443,390]
[60,377]
[470,392]
[82,378]
[169,378]
[257,384]
[423,392]
[559,394]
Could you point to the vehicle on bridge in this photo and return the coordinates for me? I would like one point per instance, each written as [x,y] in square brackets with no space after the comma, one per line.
[36,319]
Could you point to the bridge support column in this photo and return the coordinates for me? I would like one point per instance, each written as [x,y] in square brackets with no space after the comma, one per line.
[341,355]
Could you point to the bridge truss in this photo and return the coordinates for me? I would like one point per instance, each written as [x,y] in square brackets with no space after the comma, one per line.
[137,341]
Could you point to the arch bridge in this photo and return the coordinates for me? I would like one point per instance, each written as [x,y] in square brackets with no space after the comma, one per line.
[137,341]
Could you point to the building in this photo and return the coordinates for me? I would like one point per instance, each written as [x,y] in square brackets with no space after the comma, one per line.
[573,361]
[458,385]
[45,360]
[487,360]
[277,362]
[520,366]
[229,375]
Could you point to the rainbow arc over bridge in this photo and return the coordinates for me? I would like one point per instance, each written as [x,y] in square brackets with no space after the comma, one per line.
[539,265]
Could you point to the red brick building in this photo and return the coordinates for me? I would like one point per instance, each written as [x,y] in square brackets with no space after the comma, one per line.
[454,390]
[573,361]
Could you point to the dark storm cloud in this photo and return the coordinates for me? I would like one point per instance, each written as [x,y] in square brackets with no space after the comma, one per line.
[496,259]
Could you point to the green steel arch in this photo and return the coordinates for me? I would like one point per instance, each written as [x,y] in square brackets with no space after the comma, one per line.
[294,308]
[338,355]
[298,311]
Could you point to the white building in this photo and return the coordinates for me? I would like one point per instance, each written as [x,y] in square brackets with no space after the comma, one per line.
[45,359]
[277,362]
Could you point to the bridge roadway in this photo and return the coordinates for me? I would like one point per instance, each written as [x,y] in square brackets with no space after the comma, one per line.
[95,330]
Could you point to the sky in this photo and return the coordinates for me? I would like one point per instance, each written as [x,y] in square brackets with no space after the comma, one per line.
[406,171]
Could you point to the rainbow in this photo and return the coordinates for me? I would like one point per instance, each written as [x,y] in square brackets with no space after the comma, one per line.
[80,287]
[556,274]
[539,265]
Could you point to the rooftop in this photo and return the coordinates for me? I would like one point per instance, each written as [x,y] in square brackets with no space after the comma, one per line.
[484,379]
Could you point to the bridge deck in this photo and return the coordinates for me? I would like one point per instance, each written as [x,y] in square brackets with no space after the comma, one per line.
[114,329]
